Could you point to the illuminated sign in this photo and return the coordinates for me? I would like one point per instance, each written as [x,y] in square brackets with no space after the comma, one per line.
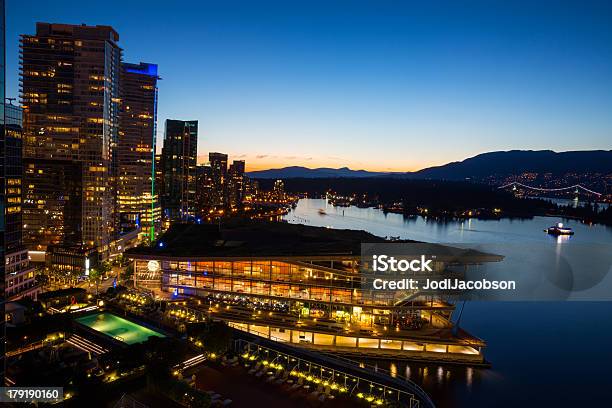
[153,266]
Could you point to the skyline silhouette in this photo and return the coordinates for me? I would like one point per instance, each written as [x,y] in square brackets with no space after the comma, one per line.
[375,86]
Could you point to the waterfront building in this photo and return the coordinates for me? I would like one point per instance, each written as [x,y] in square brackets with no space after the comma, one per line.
[137,200]
[218,164]
[301,285]
[178,166]
[69,78]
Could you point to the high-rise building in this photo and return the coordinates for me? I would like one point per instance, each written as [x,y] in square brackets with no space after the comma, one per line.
[2,160]
[19,273]
[178,163]
[70,96]
[137,200]
[12,176]
[218,165]
[158,175]
[236,183]
[52,202]
[279,190]
[204,188]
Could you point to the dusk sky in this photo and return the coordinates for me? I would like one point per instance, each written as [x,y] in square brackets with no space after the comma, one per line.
[379,85]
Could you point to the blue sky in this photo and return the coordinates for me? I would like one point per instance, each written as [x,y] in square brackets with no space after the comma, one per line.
[381,85]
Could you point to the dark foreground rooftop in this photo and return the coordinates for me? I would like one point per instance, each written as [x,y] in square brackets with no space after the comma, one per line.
[262,239]
[238,238]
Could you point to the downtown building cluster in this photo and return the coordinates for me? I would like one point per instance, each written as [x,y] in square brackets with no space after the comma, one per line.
[78,153]
[84,182]
[88,137]
[192,192]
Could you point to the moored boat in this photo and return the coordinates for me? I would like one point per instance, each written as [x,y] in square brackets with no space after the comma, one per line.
[559,229]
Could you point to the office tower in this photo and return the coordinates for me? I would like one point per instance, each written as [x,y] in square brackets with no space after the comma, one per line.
[218,165]
[2,160]
[19,273]
[236,183]
[136,196]
[70,94]
[178,163]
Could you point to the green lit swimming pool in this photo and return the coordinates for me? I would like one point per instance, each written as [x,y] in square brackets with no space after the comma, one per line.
[118,328]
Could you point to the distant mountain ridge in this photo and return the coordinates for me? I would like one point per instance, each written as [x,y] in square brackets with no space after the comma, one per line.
[305,172]
[500,163]
[522,161]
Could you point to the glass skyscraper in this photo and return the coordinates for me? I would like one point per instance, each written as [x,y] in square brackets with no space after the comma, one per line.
[178,162]
[137,200]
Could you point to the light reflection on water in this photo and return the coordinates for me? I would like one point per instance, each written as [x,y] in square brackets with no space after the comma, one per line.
[533,368]
[393,370]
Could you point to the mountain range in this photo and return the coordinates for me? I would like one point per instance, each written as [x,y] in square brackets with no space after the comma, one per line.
[501,163]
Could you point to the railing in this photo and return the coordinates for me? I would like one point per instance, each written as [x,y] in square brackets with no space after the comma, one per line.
[128,402]
[25,349]
[346,381]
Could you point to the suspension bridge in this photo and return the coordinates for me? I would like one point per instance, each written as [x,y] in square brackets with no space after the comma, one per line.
[577,188]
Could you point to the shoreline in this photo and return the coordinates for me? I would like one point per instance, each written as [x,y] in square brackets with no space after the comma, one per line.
[491,216]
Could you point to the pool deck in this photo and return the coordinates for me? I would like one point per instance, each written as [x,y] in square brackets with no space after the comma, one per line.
[117,330]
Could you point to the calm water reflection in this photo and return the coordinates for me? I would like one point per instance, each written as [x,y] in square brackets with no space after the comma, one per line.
[542,353]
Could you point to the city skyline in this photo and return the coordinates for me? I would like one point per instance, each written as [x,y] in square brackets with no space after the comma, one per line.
[280,85]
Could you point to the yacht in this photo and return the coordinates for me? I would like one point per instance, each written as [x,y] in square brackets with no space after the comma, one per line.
[559,229]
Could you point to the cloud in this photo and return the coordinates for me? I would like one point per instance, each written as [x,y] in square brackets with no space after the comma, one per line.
[261,156]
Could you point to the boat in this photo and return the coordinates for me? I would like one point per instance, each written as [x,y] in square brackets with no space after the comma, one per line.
[322,211]
[559,229]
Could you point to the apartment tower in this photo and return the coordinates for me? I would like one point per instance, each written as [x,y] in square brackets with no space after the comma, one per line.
[70,94]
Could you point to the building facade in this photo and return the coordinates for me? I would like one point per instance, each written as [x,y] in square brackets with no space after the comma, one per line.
[236,183]
[19,273]
[178,167]
[137,200]
[204,188]
[301,285]
[218,165]
[2,186]
[70,95]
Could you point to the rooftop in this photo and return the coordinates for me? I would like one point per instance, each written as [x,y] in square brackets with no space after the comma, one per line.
[238,238]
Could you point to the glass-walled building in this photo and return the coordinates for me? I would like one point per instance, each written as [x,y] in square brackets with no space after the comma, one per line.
[137,200]
[178,170]
[302,285]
